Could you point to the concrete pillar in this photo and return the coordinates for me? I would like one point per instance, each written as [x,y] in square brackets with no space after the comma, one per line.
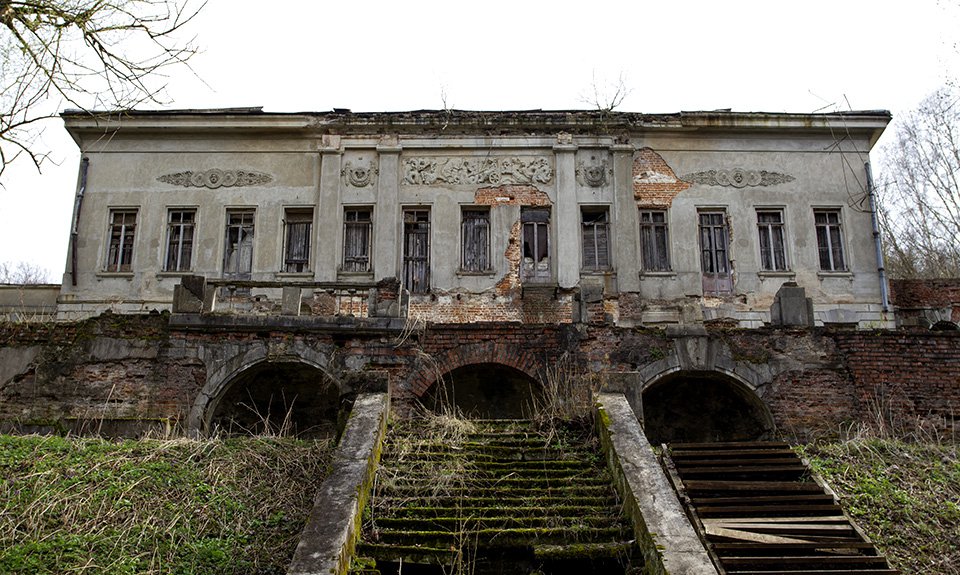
[329,213]
[386,214]
[566,227]
[626,224]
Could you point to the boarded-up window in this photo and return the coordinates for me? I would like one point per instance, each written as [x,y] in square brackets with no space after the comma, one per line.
[773,253]
[357,225]
[536,244]
[654,240]
[475,233]
[298,225]
[595,239]
[238,251]
[416,250]
[829,240]
[714,256]
[180,226]
[123,225]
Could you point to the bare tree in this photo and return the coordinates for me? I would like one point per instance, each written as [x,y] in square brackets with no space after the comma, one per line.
[606,96]
[22,273]
[85,54]
[920,190]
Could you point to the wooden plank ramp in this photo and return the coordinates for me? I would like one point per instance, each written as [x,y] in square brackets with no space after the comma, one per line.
[761,511]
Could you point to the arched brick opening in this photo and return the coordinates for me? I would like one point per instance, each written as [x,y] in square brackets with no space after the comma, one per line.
[432,369]
[484,390]
[288,397]
[703,406]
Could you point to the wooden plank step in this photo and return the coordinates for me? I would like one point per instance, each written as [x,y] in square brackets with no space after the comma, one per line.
[743,461]
[745,547]
[729,445]
[719,485]
[756,468]
[827,561]
[711,511]
[758,499]
[682,456]
[787,571]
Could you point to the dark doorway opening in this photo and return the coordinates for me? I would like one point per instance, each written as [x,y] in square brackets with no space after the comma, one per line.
[279,398]
[703,407]
[486,390]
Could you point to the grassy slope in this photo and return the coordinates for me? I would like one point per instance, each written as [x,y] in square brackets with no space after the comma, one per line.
[96,507]
[906,497]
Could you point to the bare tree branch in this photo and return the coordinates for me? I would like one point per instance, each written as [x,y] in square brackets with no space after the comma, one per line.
[87,54]
[920,191]
[23,273]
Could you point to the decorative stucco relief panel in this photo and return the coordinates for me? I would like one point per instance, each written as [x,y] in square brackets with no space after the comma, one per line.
[738,178]
[510,170]
[361,173]
[594,172]
[216,178]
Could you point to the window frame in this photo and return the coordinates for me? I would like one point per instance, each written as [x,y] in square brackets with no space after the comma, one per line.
[175,244]
[229,212]
[831,250]
[293,217]
[663,263]
[595,227]
[348,263]
[532,218]
[772,233]
[472,235]
[121,241]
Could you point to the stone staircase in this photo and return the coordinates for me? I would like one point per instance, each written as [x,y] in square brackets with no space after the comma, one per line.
[493,497]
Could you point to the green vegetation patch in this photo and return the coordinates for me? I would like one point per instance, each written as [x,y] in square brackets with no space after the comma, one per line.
[905,496]
[93,506]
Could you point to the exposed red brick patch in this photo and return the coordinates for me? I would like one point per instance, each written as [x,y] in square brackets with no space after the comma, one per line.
[512,195]
[654,182]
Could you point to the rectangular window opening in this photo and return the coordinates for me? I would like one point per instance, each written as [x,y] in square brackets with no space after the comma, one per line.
[595,239]
[238,245]
[535,263]
[298,226]
[123,225]
[180,229]
[773,253]
[830,240]
[475,238]
[416,250]
[654,240]
[357,228]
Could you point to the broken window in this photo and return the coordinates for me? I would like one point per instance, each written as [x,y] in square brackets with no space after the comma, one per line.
[238,246]
[297,224]
[180,226]
[829,240]
[654,240]
[416,250]
[357,225]
[714,256]
[773,253]
[536,244]
[595,238]
[123,224]
[475,234]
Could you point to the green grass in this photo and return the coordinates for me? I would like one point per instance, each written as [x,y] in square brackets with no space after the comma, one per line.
[92,506]
[905,496]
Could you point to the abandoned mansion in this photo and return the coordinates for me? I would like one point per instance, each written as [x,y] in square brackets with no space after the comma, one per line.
[457,217]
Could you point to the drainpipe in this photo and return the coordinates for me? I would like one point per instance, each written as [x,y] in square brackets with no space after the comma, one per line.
[74,229]
[871,193]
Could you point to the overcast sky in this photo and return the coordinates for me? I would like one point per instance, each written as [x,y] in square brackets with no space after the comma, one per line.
[368,55]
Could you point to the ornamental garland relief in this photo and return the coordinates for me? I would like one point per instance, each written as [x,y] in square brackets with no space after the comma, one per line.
[361,175]
[216,178]
[738,178]
[426,171]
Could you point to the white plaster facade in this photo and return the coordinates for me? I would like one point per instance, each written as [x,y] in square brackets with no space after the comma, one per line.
[778,175]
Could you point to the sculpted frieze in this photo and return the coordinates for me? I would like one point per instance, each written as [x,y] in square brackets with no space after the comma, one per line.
[216,178]
[738,178]
[512,170]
